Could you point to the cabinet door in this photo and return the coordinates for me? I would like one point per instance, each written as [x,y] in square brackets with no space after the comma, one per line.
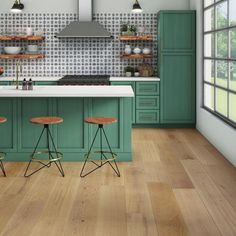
[4,83]
[147,102]
[147,88]
[133,99]
[45,83]
[8,135]
[28,132]
[178,88]
[72,138]
[177,30]
[147,116]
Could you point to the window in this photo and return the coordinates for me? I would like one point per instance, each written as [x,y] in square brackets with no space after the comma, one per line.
[219,39]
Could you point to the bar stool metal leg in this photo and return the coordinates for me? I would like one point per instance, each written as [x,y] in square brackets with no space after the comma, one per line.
[2,168]
[48,151]
[102,154]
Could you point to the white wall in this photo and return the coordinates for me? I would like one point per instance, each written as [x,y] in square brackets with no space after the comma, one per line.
[100,6]
[222,136]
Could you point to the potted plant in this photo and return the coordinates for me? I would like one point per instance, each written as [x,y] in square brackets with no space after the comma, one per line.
[133,29]
[129,71]
[124,28]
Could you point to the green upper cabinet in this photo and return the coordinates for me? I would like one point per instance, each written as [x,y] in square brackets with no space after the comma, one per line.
[177,67]
[176,30]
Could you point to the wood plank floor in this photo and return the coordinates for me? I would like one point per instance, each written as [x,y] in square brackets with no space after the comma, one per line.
[177,184]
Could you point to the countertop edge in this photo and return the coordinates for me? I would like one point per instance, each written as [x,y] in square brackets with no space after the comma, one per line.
[112,79]
[69,91]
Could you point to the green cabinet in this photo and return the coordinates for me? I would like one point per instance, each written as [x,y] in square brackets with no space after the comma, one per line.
[45,83]
[4,83]
[132,84]
[72,137]
[147,88]
[176,31]
[146,103]
[177,66]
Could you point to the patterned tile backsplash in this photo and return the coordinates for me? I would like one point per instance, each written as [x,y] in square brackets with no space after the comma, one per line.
[75,56]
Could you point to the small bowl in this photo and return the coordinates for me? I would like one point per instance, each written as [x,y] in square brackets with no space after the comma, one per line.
[12,50]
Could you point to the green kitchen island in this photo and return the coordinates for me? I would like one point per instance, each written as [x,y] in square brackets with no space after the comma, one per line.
[73,104]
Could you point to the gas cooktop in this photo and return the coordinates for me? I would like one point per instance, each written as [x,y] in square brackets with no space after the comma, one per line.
[85,80]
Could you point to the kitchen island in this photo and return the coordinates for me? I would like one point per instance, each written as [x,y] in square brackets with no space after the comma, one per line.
[73,104]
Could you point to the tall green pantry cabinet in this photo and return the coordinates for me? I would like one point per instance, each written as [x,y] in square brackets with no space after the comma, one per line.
[177,66]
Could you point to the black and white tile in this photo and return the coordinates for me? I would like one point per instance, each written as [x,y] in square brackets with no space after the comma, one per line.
[75,56]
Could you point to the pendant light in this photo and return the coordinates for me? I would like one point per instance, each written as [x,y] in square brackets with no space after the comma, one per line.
[136,7]
[17,7]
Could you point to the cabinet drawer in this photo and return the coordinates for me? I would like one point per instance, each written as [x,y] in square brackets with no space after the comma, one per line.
[147,102]
[147,88]
[3,83]
[147,117]
[45,83]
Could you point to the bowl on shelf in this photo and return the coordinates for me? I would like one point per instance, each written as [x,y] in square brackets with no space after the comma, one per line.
[12,50]
[146,51]
[137,50]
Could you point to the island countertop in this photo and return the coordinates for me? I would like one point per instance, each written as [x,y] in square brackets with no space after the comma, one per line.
[68,91]
[55,79]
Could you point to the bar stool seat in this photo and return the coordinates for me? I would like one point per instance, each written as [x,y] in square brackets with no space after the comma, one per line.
[100,121]
[53,155]
[3,120]
[46,120]
[2,154]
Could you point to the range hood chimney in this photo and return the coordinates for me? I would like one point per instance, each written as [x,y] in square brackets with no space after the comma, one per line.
[85,27]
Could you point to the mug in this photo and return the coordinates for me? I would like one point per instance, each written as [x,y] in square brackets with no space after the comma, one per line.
[32,48]
[29,31]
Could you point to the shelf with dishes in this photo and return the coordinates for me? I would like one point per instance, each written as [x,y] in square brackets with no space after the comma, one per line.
[21,38]
[29,51]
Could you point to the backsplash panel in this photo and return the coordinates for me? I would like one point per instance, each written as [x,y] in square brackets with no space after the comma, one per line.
[75,56]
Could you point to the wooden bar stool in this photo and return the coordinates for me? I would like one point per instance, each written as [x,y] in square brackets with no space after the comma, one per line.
[100,121]
[2,154]
[53,155]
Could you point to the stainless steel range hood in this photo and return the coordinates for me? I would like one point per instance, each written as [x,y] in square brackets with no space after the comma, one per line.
[85,27]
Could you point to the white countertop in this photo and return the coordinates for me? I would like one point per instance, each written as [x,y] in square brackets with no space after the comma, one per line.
[134,79]
[43,79]
[68,91]
[118,79]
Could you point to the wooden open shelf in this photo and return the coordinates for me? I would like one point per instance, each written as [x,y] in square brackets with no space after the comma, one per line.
[21,56]
[137,56]
[21,37]
[136,38]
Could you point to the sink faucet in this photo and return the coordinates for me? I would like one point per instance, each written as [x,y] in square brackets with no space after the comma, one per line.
[18,70]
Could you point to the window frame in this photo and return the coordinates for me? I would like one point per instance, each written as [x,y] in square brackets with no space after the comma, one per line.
[214,58]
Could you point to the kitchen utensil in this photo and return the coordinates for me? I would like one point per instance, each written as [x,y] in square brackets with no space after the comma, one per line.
[128,50]
[32,48]
[29,31]
[141,30]
[12,50]
[146,51]
[146,70]
[38,32]
[137,50]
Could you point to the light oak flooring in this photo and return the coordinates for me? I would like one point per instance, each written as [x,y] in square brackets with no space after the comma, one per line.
[177,184]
